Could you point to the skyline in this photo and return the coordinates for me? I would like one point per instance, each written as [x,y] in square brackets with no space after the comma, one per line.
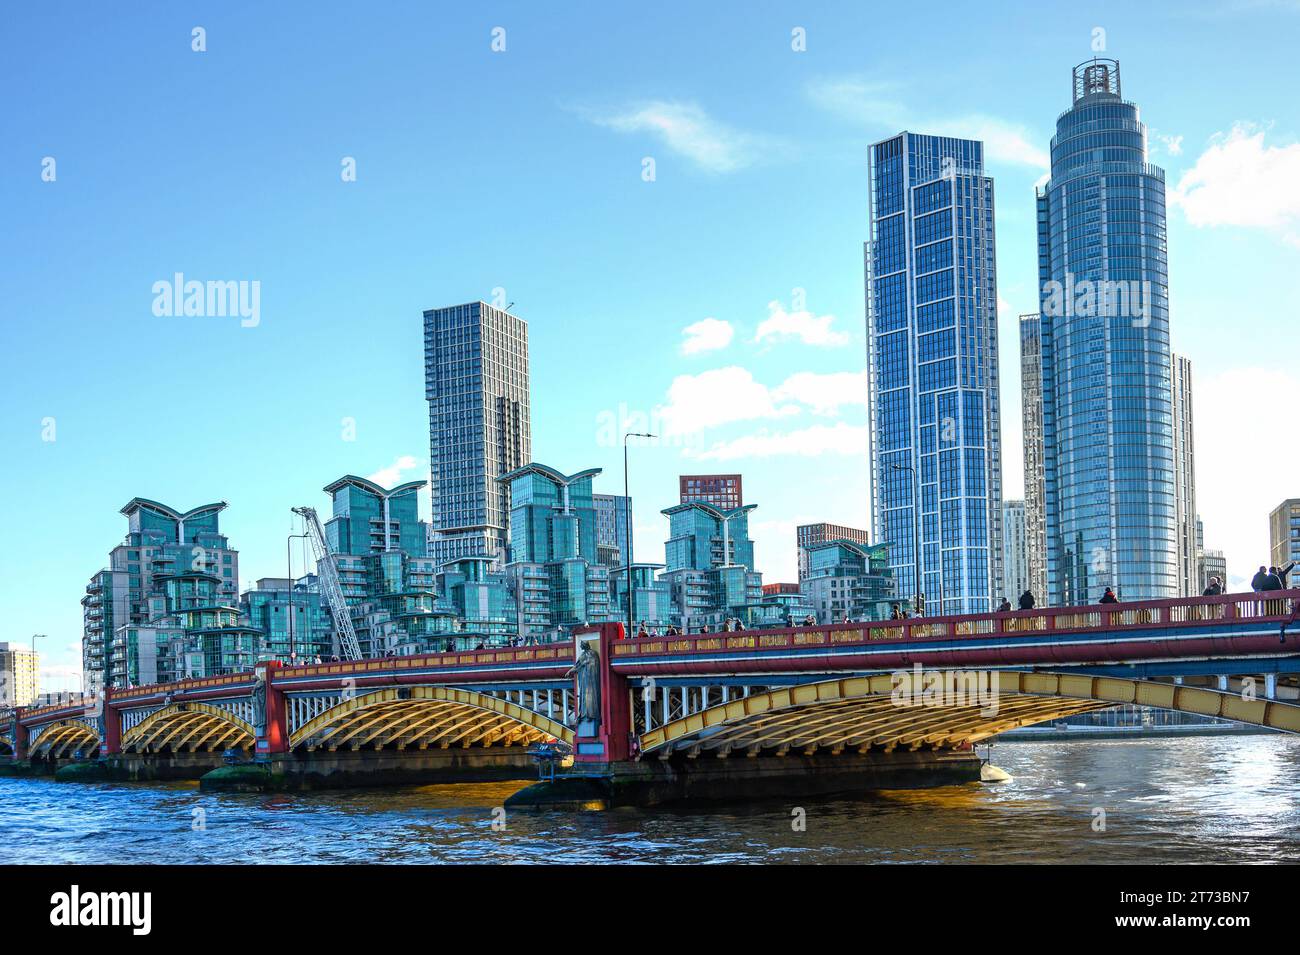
[714,218]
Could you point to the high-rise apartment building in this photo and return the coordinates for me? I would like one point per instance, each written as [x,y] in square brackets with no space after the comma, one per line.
[19,675]
[1015,551]
[476,383]
[1031,400]
[1108,442]
[710,567]
[613,518]
[1284,534]
[723,491]
[1189,582]
[936,470]
[806,535]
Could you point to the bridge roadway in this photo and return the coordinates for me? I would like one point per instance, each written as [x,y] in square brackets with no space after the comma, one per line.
[805,702]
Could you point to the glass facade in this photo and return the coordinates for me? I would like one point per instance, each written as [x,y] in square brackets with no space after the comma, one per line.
[1031,401]
[613,518]
[933,370]
[1108,456]
[849,581]
[476,383]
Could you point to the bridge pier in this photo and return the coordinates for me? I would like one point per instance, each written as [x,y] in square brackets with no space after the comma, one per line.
[355,769]
[651,782]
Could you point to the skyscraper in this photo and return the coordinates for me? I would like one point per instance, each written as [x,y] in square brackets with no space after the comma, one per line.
[1108,444]
[933,369]
[1015,551]
[612,522]
[1189,584]
[1031,399]
[476,383]
[1284,535]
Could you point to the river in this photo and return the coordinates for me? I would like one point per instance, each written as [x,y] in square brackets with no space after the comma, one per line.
[1229,799]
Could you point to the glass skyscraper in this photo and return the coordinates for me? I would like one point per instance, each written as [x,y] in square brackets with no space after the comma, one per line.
[476,383]
[1108,457]
[933,370]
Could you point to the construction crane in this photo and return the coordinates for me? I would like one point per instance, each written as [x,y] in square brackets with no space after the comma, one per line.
[328,571]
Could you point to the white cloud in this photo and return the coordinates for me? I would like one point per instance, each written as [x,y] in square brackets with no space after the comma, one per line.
[824,394]
[803,325]
[717,397]
[816,441]
[391,476]
[688,130]
[1245,466]
[708,334]
[1240,181]
[875,104]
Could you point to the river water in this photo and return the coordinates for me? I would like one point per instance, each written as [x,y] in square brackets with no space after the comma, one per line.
[1226,799]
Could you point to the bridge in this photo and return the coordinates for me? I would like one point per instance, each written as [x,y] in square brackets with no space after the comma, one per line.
[857,704]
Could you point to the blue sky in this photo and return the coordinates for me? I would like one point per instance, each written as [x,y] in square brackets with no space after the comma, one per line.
[522,170]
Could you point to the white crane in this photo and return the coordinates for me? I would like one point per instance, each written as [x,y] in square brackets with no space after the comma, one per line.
[328,571]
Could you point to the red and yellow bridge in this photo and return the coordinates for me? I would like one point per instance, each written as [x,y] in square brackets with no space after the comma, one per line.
[816,693]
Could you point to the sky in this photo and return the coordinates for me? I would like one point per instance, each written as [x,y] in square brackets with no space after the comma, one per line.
[673,196]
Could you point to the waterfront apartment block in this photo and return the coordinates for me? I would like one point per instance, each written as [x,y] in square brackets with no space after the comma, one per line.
[476,384]
[1108,419]
[808,534]
[380,547]
[936,469]
[554,574]
[723,491]
[19,675]
[710,567]
[166,603]
[292,617]
[1284,534]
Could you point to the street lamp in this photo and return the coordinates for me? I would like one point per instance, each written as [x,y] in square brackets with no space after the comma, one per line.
[627,525]
[916,529]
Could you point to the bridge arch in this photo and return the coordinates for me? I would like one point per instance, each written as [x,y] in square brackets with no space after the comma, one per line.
[193,725]
[861,713]
[6,745]
[62,737]
[424,717]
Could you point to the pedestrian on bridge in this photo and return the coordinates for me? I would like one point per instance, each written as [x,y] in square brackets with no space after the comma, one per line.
[1213,589]
[1109,597]
[1027,600]
[1260,580]
[1005,606]
[1282,574]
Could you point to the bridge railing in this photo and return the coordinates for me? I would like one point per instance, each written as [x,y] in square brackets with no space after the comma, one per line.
[1282,605]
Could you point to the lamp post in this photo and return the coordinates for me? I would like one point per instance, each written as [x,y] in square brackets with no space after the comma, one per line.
[916,528]
[627,525]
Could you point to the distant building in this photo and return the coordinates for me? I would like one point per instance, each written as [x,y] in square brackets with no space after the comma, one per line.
[1284,534]
[1214,564]
[19,675]
[723,491]
[613,518]
[652,599]
[790,600]
[1189,584]
[808,534]
[478,596]
[1015,565]
[848,580]
[553,571]
[476,383]
[1031,400]
[292,617]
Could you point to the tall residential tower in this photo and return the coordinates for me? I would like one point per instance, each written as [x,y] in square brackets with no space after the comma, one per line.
[476,383]
[933,370]
[1108,442]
